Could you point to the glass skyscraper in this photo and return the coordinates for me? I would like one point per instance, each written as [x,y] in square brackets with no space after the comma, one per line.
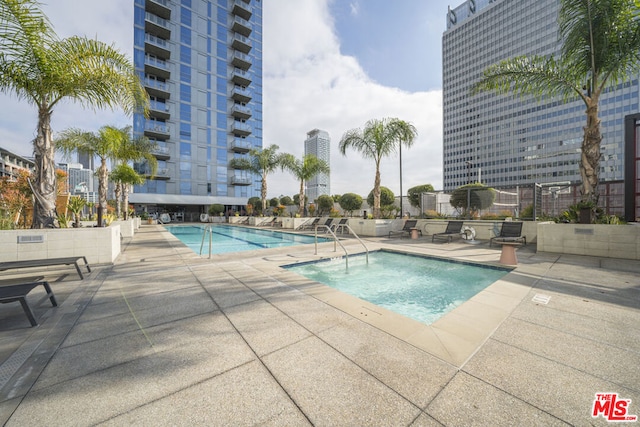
[318,143]
[201,63]
[506,140]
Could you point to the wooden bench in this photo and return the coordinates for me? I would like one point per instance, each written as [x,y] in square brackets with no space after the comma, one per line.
[12,290]
[32,263]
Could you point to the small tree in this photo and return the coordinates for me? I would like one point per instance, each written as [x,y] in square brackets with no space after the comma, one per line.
[325,204]
[286,200]
[274,202]
[350,202]
[216,209]
[76,204]
[414,193]
[478,196]
[256,202]
[387,197]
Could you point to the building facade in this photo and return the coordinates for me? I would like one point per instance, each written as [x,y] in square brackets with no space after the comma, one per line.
[506,141]
[12,164]
[318,143]
[201,63]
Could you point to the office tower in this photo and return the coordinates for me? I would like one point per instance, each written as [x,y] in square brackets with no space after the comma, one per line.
[87,161]
[318,144]
[201,63]
[507,140]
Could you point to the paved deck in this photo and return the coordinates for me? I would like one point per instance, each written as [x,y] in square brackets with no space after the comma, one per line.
[165,337]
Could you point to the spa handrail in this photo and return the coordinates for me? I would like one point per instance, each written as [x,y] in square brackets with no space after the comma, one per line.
[207,230]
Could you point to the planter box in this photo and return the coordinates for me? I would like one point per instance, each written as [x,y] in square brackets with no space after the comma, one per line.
[99,245]
[609,241]
[127,228]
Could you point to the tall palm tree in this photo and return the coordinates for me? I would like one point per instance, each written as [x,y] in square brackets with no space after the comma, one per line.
[124,176]
[600,45]
[262,162]
[378,139]
[40,68]
[104,144]
[304,169]
[131,149]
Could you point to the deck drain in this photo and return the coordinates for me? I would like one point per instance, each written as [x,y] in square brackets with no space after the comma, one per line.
[16,360]
[541,299]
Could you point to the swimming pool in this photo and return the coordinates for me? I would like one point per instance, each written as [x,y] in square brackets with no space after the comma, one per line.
[227,238]
[414,286]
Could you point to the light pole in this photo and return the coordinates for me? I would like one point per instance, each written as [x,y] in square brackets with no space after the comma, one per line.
[400,146]
[469,164]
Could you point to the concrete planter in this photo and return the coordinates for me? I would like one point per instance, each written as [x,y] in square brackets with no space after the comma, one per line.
[127,228]
[99,245]
[609,241]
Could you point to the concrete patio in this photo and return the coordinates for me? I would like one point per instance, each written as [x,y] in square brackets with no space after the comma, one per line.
[166,337]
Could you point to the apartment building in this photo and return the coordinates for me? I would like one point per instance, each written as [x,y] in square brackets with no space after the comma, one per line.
[318,143]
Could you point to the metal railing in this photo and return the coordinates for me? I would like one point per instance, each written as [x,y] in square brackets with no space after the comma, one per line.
[207,230]
[336,241]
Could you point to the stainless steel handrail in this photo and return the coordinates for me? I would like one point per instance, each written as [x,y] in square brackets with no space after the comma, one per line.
[208,229]
[335,240]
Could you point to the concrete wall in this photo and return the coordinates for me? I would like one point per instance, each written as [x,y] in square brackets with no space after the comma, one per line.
[610,241]
[99,245]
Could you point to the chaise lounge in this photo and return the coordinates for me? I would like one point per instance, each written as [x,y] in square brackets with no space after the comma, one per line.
[12,290]
[408,225]
[453,230]
[509,232]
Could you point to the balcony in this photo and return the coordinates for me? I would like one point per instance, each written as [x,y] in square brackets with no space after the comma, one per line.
[157,130]
[239,180]
[159,110]
[153,24]
[241,60]
[158,7]
[156,46]
[242,26]
[240,128]
[241,145]
[157,67]
[241,111]
[240,77]
[241,9]
[240,94]
[157,88]
[161,152]
[240,43]
[145,170]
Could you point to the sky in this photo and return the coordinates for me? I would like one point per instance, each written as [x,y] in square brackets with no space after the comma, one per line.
[327,64]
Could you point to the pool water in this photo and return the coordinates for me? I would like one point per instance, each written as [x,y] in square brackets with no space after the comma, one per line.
[227,239]
[418,287]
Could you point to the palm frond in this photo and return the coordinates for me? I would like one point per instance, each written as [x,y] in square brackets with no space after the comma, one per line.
[536,76]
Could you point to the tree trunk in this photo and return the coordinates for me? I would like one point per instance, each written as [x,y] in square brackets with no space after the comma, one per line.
[44,188]
[103,175]
[301,201]
[118,194]
[263,193]
[376,194]
[590,156]
[125,200]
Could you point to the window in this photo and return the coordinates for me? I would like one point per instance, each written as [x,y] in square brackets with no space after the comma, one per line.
[185,151]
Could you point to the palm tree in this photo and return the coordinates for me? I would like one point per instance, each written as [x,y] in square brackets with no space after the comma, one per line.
[304,169]
[124,176]
[601,40]
[263,162]
[379,139]
[40,68]
[138,149]
[104,144]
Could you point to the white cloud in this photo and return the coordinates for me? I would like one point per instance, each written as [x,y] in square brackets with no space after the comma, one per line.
[309,84]
[355,8]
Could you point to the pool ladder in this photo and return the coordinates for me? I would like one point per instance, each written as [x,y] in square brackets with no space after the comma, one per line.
[208,229]
[336,241]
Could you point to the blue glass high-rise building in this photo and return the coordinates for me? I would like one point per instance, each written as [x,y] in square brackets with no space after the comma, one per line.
[201,63]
